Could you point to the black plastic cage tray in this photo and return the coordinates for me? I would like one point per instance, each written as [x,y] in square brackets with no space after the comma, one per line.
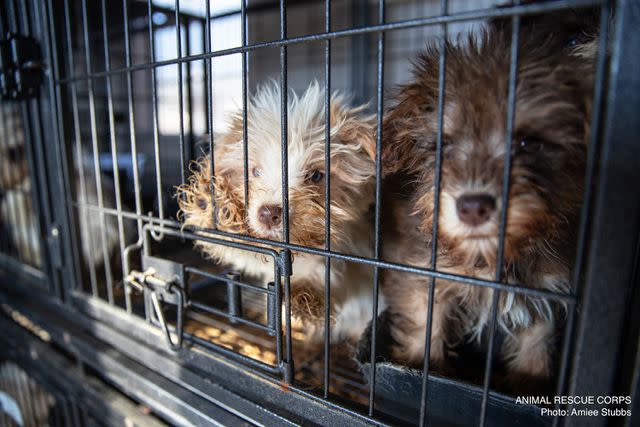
[398,391]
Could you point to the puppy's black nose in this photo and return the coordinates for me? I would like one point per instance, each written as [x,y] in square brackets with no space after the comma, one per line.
[270,215]
[475,209]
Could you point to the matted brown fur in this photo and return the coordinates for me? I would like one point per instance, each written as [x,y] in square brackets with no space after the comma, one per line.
[546,184]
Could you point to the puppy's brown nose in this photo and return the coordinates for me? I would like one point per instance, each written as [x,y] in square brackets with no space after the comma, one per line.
[270,215]
[475,209]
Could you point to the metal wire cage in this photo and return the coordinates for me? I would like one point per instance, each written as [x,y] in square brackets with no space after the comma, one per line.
[42,386]
[109,101]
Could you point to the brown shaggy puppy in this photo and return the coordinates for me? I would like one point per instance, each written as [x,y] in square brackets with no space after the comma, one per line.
[547,172]
[352,183]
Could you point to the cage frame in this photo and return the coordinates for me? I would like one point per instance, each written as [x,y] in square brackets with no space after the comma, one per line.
[605,308]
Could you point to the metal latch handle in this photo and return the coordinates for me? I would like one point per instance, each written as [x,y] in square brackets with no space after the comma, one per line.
[158,288]
[155,299]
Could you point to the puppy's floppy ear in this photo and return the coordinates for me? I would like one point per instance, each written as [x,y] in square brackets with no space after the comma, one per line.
[354,159]
[355,128]
[402,126]
[396,143]
[195,197]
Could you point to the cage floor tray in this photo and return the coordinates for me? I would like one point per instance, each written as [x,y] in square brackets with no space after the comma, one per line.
[399,390]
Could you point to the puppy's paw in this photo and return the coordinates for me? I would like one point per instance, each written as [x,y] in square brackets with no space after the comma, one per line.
[307,305]
[411,354]
[384,340]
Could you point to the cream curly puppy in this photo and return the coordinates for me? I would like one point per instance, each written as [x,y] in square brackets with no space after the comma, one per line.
[352,175]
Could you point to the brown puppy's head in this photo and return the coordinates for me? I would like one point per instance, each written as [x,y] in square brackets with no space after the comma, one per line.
[548,147]
[352,171]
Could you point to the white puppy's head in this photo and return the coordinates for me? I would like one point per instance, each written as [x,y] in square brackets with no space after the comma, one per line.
[352,169]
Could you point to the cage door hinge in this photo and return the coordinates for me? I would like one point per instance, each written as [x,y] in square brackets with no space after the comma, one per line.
[162,283]
[21,67]
[286,260]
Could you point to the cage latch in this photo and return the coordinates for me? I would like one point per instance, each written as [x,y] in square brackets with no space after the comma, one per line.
[161,290]
[21,67]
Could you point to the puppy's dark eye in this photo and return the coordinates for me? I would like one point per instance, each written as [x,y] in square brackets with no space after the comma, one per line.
[256,172]
[316,176]
[528,145]
[577,39]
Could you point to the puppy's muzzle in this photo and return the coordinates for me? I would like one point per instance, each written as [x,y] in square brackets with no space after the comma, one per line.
[270,216]
[475,209]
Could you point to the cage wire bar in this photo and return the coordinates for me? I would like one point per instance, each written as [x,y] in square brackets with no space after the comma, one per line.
[327,200]
[180,90]
[112,136]
[156,131]
[134,146]
[511,101]
[245,74]
[436,212]
[209,108]
[158,226]
[378,205]
[285,255]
